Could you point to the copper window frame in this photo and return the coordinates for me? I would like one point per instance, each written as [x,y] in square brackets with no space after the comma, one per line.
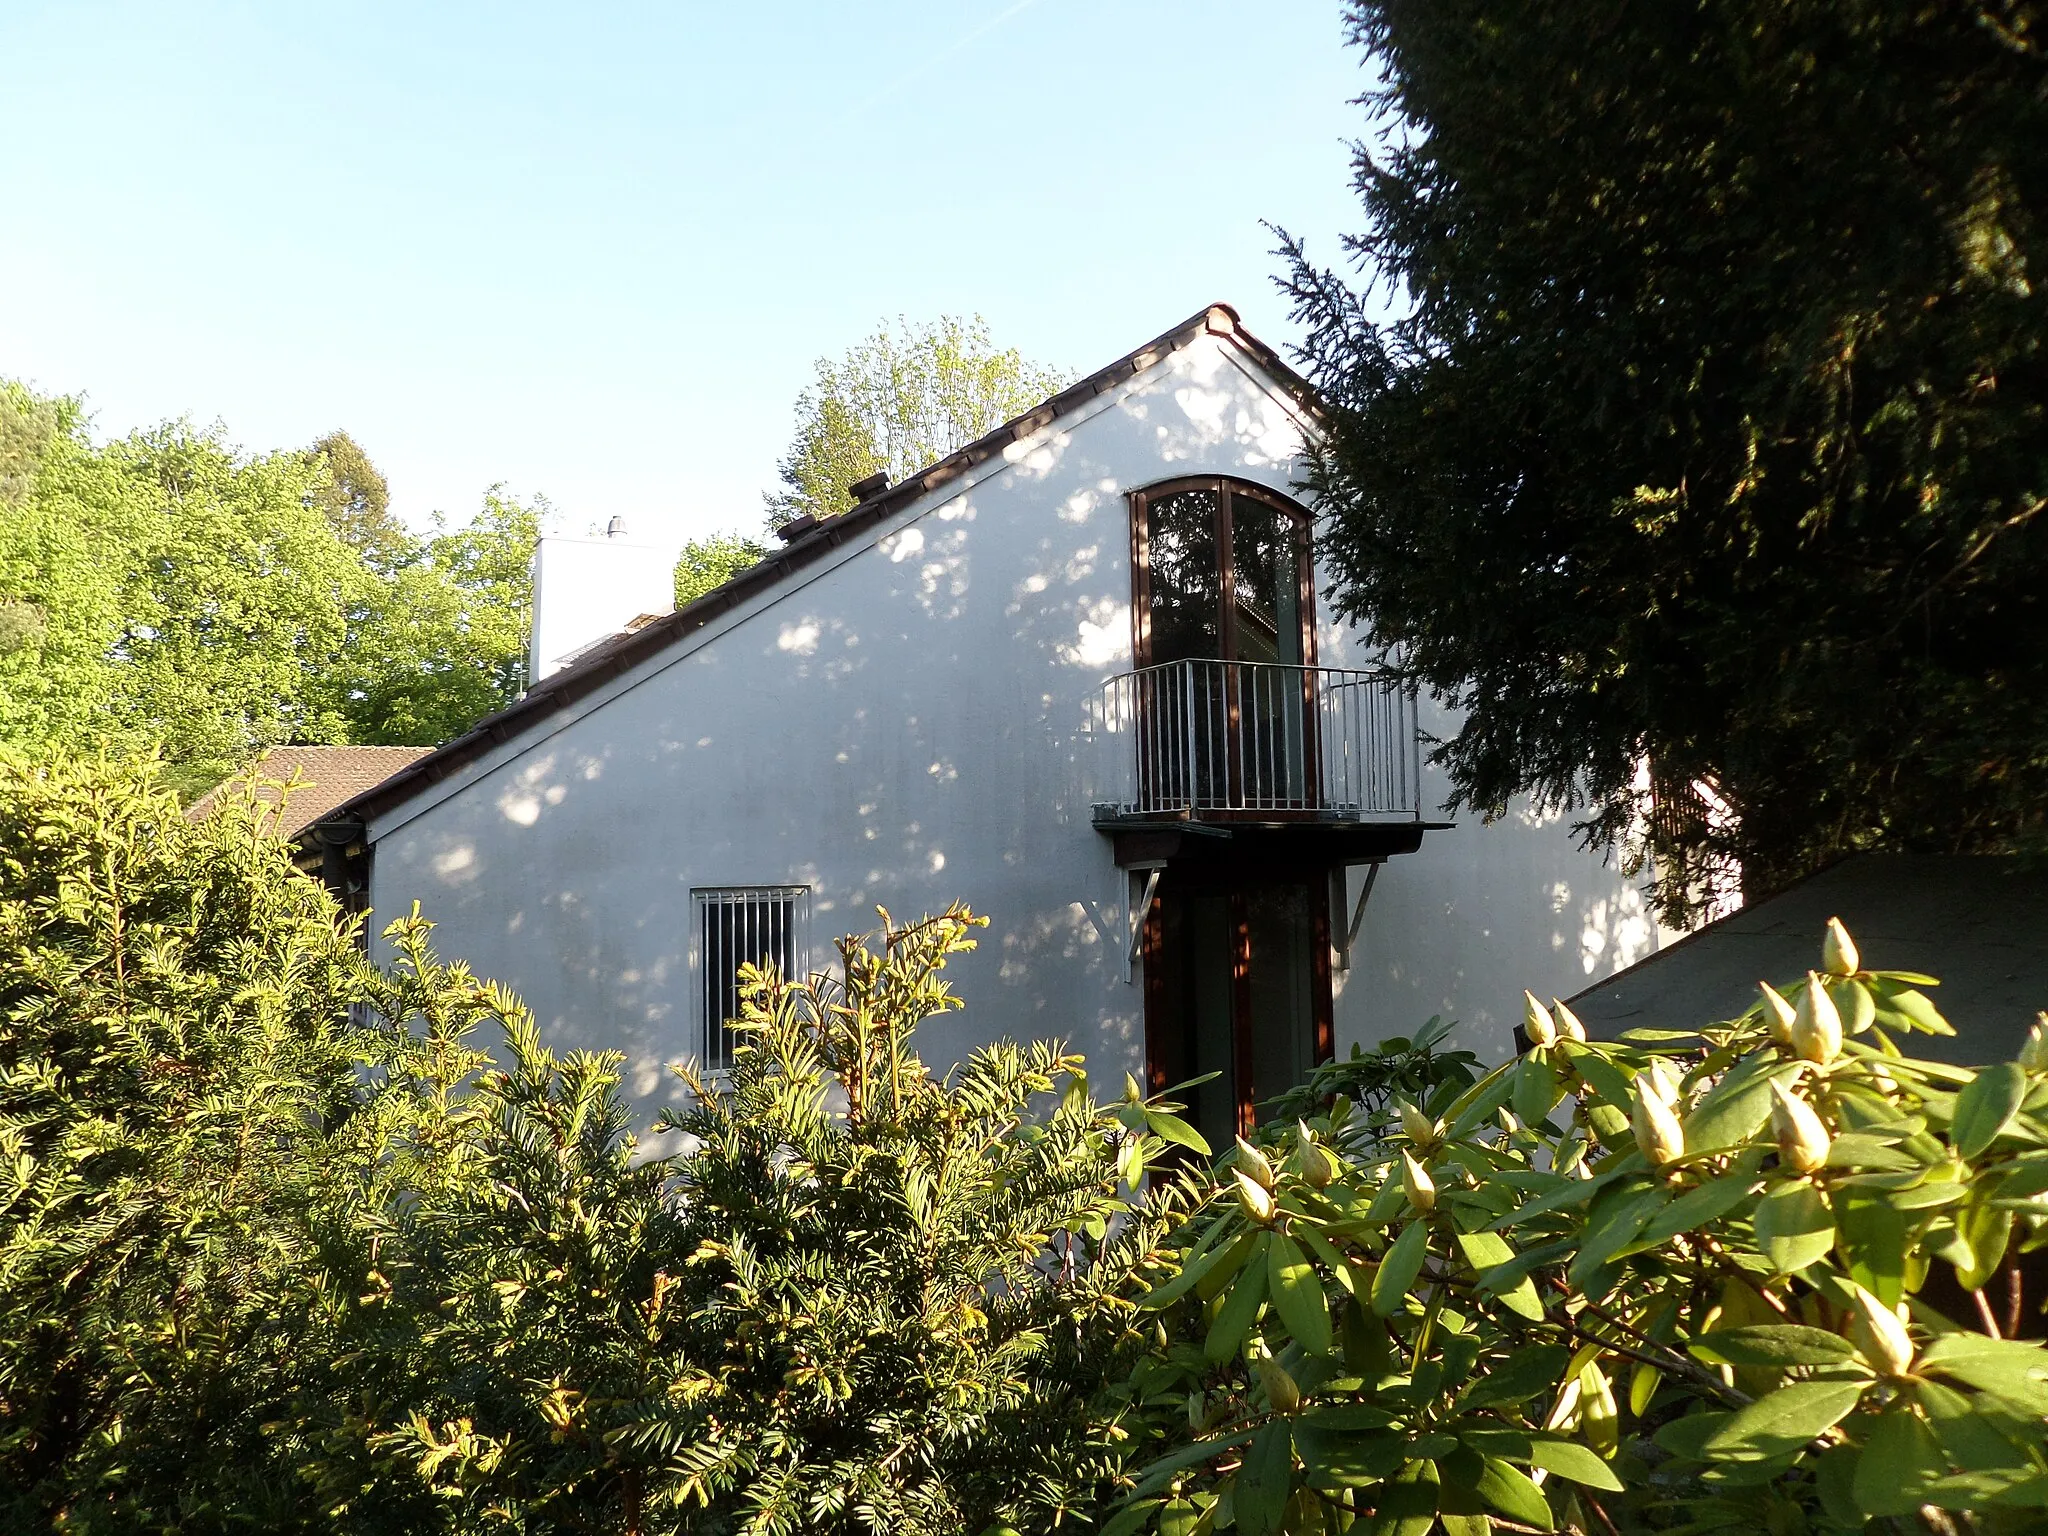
[1226,488]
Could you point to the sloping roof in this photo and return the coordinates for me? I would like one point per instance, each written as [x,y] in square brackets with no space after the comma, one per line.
[621,653]
[1979,922]
[332,776]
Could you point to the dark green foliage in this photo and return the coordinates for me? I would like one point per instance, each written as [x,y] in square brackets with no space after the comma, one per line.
[356,499]
[177,1091]
[1399,1067]
[282,1249]
[1712,431]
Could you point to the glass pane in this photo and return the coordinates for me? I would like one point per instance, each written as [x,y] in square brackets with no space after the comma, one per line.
[1282,977]
[1265,551]
[1186,576]
[1272,705]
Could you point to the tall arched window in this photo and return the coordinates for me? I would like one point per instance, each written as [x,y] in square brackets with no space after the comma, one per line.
[1220,571]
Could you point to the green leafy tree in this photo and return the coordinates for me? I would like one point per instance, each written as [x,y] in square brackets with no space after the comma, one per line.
[165,588]
[709,563]
[895,403]
[356,500]
[1714,396]
[440,641]
[1684,1281]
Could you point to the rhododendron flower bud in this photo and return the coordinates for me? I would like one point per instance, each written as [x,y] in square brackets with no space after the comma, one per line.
[1252,1162]
[1803,1141]
[1416,1180]
[1816,1024]
[1778,1014]
[1657,1129]
[1568,1023]
[1422,1130]
[2034,1049]
[1880,1334]
[1537,1022]
[1662,1078]
[1317,1166]
[1281,1389]
[1838,951]
[1599,1415]
[1258,1204]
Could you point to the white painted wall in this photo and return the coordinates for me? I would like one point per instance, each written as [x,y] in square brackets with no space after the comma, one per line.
[902,724]
[587,589]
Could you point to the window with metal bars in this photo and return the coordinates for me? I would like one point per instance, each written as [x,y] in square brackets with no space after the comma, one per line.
[742,925]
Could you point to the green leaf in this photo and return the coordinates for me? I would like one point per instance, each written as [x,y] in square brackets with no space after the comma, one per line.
[1131,1518]
[1784,1420]
[1297,1292]
[2013,1369]
[1524,1373]
[1487,1251]
[1561,1197]
[1397,1272]
[1899,1459]
[1907,1009]
[1367,1349]
[1406,1506]
[1157,1474]
[1240,1307]
[1986,1229]
[1179,1518]
[1265,1480]
[1335,1418]
[1606,1079]
[1174,1129]
[1794,1227]
[1967,1437]
[1733,1111]
[1348,1460]
[1536,1089]
[1872,1238]
[1986,1106]
[1970,1492]
[1567,1458]
[1696,1208]
[1506,1489]
[1688,1437]
[1477,1103]
[1614,1229]
[1778,1344]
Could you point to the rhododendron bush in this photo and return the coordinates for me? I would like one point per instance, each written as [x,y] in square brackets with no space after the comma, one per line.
[1682,1280]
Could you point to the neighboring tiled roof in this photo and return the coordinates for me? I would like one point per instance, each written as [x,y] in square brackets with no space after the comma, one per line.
[1977,921]
[610,658]
[331,776]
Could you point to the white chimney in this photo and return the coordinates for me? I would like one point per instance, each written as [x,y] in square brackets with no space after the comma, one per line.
[586,590]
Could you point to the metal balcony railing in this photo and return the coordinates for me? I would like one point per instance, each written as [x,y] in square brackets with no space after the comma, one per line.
[1196,738]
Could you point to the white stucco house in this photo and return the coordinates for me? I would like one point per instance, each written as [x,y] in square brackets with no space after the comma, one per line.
[1076,674]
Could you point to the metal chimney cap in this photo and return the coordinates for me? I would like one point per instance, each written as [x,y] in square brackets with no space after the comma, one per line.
[615,529]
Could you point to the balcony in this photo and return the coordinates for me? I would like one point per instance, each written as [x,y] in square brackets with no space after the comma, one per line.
[1257,742]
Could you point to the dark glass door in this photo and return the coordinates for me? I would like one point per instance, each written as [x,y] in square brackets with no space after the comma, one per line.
[1224,630]
[1237,983]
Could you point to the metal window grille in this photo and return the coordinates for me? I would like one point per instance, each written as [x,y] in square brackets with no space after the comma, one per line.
[736,926]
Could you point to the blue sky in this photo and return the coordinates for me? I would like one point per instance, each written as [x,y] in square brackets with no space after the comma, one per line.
[592,251]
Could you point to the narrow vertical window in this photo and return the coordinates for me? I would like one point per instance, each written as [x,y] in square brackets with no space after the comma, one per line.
[737,926]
